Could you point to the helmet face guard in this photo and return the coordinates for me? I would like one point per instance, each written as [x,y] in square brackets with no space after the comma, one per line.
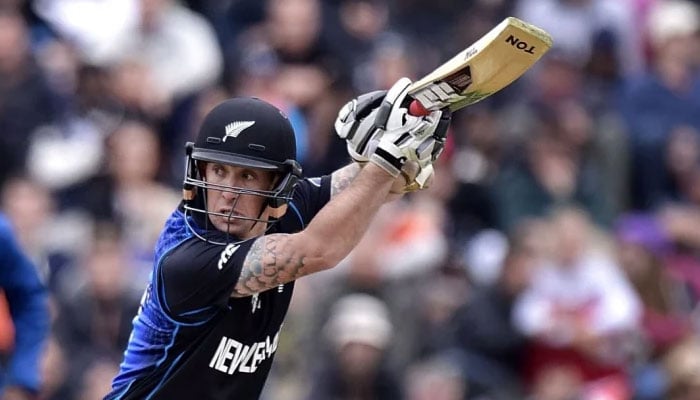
[266,142]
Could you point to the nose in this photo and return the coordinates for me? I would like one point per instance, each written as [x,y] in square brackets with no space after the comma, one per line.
[228,196]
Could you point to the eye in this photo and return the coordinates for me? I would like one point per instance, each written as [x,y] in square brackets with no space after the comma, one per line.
[218,170]
[248,176]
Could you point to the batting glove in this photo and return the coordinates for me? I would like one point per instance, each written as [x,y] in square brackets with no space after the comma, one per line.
[364,121]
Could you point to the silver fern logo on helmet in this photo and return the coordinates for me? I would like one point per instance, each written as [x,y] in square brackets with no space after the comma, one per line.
[235,128]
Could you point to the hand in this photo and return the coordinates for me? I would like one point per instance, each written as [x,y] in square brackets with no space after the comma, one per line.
[363,122]
[419,139]
[355,124]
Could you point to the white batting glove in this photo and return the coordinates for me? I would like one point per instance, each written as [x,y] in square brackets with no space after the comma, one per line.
[378,126]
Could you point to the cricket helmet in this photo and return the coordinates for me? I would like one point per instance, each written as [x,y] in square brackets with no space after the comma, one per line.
[244,132]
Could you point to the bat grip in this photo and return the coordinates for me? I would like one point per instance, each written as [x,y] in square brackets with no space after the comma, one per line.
[417,109]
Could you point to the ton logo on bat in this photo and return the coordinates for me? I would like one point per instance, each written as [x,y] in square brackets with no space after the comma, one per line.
[520,45]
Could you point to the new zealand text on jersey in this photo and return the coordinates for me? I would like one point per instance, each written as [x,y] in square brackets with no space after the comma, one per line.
[233,356]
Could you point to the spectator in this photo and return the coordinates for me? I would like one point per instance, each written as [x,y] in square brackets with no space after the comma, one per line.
[293,31]
[86,118]
[579,307]
[26,297]
[359,332]
[51,240]
[128,192]
[560,97]
[435,379]
[664,99]
[682,161]
[553,172]
[359,30]
[95,322]
[139,39]
[645,250]
[29,207]
[490,346]
[575,24]
[473,165]
[26,102]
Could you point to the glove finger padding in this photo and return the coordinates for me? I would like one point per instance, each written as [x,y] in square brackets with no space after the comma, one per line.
[424,178]
[430,148]
[355,124]
[391,113]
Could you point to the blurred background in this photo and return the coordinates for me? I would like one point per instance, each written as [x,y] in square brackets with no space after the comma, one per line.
[556,256]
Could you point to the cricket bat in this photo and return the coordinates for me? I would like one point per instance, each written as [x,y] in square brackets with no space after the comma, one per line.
[490,64]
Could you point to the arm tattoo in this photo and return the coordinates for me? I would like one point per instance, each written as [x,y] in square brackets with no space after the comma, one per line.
[341,178]
[271,261]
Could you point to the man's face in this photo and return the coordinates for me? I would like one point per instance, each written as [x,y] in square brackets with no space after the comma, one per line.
[237,205]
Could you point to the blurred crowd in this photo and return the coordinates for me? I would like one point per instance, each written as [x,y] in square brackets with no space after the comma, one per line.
[555,257]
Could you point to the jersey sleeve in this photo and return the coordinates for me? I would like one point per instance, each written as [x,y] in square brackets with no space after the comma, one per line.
[197,278]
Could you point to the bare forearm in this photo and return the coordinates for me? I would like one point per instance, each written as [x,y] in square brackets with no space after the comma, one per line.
[280,258]
[346,218]
[273,260]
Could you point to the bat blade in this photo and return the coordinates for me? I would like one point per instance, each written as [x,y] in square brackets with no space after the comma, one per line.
[490,64]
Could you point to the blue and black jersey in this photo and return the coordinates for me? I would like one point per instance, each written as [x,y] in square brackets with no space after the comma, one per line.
[190,338]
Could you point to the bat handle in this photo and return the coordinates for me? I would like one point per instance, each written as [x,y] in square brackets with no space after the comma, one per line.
[417,109]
